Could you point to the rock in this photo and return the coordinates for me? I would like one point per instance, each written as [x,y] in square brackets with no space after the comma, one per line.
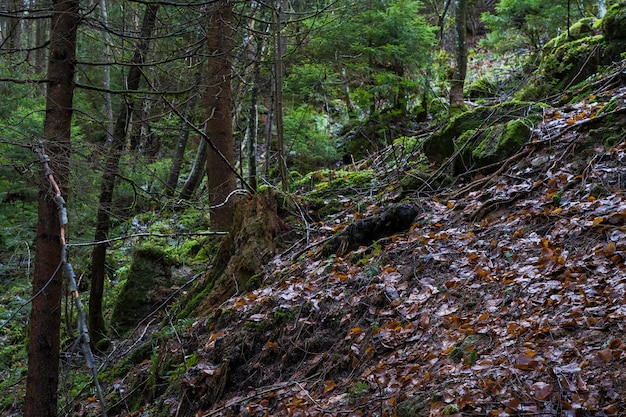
[497,138]
[148,285]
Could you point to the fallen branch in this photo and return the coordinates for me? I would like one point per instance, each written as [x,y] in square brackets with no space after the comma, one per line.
[69,273]
[160,235]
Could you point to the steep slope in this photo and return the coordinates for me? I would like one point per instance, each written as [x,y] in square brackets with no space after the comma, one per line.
[506,296]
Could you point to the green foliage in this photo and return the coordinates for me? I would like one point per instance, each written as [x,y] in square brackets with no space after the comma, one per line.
[359,390]
[307,140]
[381,46]
[449,409]
[310,83]
[526,24]
[284,316]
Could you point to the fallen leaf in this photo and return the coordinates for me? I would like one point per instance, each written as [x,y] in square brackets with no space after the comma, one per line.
[329,385]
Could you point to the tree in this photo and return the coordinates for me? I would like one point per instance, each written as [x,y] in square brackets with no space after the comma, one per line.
[279,69]
[381,46]
[97,326]
[460,69]
[45,317]
[528,24]
[222,178]
[179,152]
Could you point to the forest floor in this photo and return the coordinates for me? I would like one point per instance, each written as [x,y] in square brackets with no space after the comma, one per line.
[506,296]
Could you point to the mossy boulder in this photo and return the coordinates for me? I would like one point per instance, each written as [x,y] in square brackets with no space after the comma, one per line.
[469,125]
[575,55]
[613,25]
[499,142]
[614,22]
[148,285]
[570,62]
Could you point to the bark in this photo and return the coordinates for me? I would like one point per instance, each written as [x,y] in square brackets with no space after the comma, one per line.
[45,316]
[97,326]
[222,179]
[460,70]
[252,128]
[279,70]
[252,50]
[179,153]
[197,172]
[108,101]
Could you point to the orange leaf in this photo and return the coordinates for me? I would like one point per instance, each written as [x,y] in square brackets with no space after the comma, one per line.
[610,249]
[273,346]
[329,385]
[605,355]
[354,331]
[216,335]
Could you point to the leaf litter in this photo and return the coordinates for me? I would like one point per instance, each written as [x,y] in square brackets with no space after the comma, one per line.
[506,300]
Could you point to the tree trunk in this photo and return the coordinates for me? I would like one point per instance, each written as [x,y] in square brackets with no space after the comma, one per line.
[197,171]
[222,179]
[252,128]
[106,83]
[179,153]
[45,316]
[12,28]
[460,70]
[279,69]
[97,326]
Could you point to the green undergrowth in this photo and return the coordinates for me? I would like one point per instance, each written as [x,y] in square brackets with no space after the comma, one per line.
[326,191]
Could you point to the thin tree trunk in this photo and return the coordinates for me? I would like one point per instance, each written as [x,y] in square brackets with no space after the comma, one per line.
[197,171]
[179,153]
[222,179]
[278,77]
[41,31]
[97,326]
[460,70]
[12,29]
[45,317]
[108,102]
[252,128]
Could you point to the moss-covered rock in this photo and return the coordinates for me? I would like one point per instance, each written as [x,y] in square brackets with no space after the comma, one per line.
[613,25]
[614,22]
[575,55]
[149,283]
[446,141]
[501,141]
[482,87]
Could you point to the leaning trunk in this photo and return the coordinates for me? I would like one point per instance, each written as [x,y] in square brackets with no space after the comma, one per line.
[197,172]
[97,327]
[181,145]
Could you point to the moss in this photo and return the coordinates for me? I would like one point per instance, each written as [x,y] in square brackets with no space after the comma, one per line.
[614,22]
[327,198]
[500,142]
[149,274]
[571,62]
[136,356]
[482,88]
[443,143]
[244,251]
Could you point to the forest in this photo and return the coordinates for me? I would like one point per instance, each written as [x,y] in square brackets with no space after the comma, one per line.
[382,208]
